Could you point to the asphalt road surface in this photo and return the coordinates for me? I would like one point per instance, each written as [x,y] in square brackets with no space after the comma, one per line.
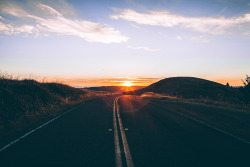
[125,131]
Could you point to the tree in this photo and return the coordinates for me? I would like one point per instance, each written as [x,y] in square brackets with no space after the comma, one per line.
[246,89]
[227,84]
[246,81]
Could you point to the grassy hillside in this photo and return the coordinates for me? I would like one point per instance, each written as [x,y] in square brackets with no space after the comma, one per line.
[24,102]
[194,88]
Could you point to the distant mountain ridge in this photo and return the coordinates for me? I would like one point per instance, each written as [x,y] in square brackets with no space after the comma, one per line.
[191,87]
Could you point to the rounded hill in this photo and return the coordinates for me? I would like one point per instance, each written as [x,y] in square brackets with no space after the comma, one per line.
[191,87]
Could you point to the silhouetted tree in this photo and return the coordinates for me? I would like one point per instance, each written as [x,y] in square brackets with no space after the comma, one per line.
[246,89]
[227,84]
[246,81]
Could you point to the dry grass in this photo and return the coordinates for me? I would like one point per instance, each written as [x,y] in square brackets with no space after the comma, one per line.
[241,107]
[26,102]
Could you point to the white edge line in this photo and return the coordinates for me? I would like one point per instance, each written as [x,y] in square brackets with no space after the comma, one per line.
[118,157]
[32,131]
[124,140]
[203,123]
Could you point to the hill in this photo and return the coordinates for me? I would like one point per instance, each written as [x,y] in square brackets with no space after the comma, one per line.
[115,89]
[23,102]
[193,88]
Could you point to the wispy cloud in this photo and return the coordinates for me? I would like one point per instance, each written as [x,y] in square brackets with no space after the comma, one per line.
[116,81]
[143,48]
[179,37]
[14,30]
[164,18]
[48,20]
[201,39]
[136,26]
[247,33]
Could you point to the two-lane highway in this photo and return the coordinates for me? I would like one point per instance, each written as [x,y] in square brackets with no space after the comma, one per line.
[126,131]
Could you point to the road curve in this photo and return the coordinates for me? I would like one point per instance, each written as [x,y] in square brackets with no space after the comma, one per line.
[100,130]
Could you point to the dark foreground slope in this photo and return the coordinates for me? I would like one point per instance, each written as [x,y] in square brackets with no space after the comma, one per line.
[24,102]
[195,88]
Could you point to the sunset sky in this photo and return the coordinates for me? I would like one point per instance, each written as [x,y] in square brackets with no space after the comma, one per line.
[97,42]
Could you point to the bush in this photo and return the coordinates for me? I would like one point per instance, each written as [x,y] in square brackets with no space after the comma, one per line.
[23,101]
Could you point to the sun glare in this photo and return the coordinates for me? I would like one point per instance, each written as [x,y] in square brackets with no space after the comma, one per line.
[127,83]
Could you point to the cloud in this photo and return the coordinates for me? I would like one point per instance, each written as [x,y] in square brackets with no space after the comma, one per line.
[14,30]
[136,26]
[247,33]
[115,81]
[48,20]
[143,48]
[201,39]
[164,18]
[61,6]
[179,37]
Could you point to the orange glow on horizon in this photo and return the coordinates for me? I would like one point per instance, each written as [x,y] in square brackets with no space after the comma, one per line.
[127,88]
[104,82]
[127,83]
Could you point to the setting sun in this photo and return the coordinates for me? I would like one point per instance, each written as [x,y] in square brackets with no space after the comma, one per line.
[127,83]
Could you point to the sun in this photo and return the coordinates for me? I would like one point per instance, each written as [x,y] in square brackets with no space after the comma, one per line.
[127,83]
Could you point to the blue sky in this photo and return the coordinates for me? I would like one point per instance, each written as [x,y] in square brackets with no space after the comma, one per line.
[93,43]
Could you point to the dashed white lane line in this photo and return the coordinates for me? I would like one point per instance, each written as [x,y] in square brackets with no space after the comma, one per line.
[32,131]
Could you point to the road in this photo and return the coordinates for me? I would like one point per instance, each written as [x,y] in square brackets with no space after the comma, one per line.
[125,131]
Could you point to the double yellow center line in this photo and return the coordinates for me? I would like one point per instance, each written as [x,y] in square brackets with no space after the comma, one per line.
[118,123]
